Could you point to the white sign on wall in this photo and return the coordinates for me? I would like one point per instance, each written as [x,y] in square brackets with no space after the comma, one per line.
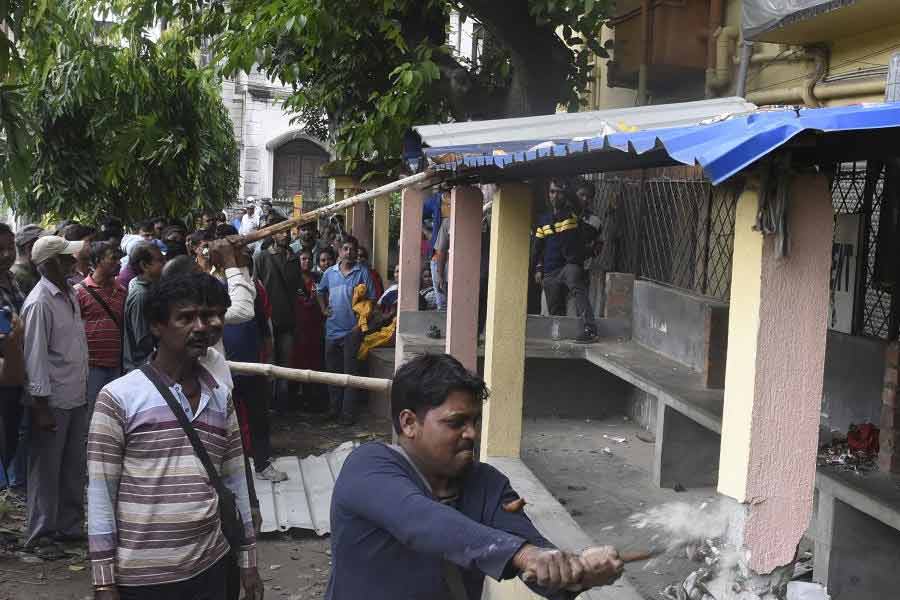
[844,260]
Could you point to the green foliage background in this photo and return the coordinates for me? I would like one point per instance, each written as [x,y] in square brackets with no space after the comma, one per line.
[100,123]
[364,71]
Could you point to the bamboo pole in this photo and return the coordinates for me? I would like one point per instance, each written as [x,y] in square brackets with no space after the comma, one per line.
[373,384]
[313,215]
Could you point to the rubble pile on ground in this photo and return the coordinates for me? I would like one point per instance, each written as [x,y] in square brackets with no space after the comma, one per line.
[857,452]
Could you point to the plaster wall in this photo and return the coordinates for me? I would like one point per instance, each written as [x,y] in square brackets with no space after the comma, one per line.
[789,376]
[854,380]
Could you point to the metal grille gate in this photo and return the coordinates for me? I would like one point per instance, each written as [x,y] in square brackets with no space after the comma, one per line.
[848,196]
[671,226]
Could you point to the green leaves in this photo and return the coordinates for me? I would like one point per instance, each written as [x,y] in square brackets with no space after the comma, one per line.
[363,71]
[100,127]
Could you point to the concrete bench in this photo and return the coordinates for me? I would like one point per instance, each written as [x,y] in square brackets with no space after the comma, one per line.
[857,534]
[689,415]
[676,354]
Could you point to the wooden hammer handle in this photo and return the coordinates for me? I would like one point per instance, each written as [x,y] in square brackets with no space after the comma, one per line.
[637,555]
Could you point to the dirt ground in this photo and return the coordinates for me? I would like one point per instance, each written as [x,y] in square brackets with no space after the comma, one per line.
[293,565]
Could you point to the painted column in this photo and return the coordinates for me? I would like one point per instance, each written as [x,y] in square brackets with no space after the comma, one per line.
[464,275]
[381,237]
[360,227]
[507,308]
[410,261]
[774,372]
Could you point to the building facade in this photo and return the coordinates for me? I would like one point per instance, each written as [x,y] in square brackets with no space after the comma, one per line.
[278,160]
[829,54]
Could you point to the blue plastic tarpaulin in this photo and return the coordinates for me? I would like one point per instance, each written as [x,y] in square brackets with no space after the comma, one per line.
[721,147]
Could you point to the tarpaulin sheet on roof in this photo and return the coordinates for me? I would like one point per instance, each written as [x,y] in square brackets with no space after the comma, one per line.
[760,16]
[721,147]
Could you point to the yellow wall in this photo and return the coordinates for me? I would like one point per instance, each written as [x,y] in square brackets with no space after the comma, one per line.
[601,96]
[779,80]
[847,55]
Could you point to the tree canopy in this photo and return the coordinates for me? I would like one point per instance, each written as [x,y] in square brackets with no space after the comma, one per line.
[97,123]
[364,71]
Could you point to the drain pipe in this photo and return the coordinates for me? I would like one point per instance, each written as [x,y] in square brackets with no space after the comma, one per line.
[642,94]
[821,91]
[719,78]
[715,22]
[743,67]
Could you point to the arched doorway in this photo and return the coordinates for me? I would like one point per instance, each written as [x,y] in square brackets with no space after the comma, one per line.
[298,168]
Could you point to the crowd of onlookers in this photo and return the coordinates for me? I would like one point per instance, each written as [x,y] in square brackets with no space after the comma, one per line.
[74,318]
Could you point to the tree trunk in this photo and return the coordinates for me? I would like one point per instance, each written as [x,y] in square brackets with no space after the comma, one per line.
[541,61]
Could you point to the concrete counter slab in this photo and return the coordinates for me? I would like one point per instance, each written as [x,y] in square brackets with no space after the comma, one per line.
[670,381]
[857,537]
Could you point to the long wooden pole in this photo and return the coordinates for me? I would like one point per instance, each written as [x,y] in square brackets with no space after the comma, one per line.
[373,384]
[313,215]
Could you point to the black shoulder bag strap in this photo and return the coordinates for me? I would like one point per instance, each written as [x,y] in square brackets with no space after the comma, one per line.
[232,526]
[103,304]
[112,315]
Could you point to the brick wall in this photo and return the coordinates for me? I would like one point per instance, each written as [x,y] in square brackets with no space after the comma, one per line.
[619,295]
[889,457]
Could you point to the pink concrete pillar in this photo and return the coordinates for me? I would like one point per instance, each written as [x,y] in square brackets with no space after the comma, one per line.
[361,226]
[410,261]
[774,372]
[464,275]
[410,248]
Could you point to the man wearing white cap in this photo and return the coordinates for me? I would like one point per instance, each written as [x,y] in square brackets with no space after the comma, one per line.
[56,364]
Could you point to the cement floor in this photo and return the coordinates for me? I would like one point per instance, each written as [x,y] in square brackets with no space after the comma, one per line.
[601,490]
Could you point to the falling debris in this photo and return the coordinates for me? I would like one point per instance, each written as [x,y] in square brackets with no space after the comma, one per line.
[616,439]
[607,451]
[700,532]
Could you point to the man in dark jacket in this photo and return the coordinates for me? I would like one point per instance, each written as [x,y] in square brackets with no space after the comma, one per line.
[279,271]
[561,243]
[423,519]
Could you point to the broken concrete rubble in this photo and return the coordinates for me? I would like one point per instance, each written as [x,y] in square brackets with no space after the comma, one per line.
[711,533]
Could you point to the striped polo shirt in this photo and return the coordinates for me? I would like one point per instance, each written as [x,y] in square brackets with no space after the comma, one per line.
[152,511]
[104,336]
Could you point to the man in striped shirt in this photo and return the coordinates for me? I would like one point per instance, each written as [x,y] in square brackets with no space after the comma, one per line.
[102,301]
[154,525]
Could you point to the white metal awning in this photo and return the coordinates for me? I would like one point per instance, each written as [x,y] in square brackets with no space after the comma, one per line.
[518,134]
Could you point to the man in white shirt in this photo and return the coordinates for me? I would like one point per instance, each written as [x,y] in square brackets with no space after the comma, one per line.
[250,220]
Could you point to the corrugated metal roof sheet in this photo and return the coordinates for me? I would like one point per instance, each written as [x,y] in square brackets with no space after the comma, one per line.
[722,147]
[304,500]
[518,134]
